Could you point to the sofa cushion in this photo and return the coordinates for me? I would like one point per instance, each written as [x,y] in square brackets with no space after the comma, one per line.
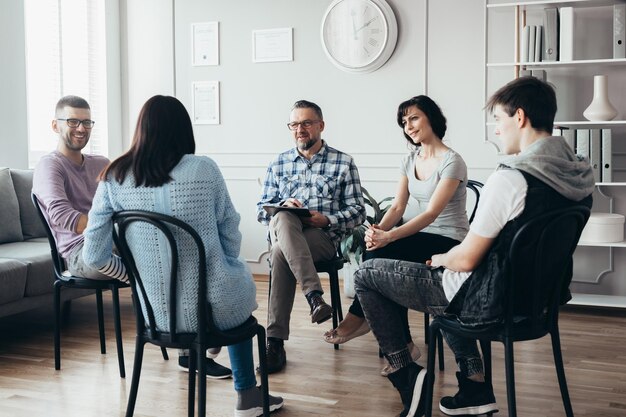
[36,256]
[12,280]
[10,231]
[29,219]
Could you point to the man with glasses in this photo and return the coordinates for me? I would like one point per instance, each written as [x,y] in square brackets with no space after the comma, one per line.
[326,181]
[65,182]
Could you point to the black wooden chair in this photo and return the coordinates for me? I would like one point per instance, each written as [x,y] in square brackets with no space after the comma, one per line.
[539,270]
[64,279]
[476,187]
[198,342]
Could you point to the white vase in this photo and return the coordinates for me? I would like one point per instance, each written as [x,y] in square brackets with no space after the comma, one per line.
[600,108]
[349,268]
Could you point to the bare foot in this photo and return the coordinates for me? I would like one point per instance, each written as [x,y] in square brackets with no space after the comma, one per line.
[349,325]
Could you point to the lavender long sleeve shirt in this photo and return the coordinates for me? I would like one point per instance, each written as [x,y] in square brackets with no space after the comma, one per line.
[65,190]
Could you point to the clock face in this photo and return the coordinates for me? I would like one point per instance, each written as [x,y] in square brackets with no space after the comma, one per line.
[356,34]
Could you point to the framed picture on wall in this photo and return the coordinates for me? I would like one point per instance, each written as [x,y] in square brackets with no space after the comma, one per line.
[272,45]
[205,40]
[205,105]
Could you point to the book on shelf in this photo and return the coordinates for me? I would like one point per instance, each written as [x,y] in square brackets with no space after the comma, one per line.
[531,43]
[566,34]
[550,34]
[619,31]
[595,154]
[607,155]
[541,74]
[538,42]
[582,142]
[525,42]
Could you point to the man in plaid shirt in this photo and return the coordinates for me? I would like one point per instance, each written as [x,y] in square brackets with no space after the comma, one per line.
[326,181]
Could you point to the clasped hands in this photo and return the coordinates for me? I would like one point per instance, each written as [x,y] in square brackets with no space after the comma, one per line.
[376,238]
[317,219]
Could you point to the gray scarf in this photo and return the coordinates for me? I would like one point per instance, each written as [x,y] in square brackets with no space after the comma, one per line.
[553,162]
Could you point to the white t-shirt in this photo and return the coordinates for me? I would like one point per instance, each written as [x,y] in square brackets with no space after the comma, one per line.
[502,199]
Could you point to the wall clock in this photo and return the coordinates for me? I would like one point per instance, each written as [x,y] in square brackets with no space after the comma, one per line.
[359,35]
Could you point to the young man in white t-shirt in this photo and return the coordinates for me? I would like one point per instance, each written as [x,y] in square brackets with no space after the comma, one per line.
[542,173]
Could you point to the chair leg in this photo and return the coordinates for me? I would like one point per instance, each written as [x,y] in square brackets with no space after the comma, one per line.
[201,382]
[335,300]
[134,386]
[164,353]
[66,310]
[430,371]
[191,394]
[439,338]
[510,376]
[560,372]
[426,324]
[118,329]
[103,348]
[57,325]
[260,335]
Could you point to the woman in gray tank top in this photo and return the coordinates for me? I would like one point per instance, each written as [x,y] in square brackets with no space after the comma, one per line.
[433,178]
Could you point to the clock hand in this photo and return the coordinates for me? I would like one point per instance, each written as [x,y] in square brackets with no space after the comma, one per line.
[369,22]
[352,14]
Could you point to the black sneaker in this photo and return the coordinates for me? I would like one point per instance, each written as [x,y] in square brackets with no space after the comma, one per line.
[320,311]
[213,369]
[409,381]
[473,398]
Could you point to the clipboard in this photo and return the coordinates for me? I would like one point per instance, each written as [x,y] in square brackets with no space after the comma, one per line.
[298,211]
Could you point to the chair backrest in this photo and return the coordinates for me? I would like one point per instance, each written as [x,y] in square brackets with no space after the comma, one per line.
[173,230]
[57,259]
[540,262]
[476,187]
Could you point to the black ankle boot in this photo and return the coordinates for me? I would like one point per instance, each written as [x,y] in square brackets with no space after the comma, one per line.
[473,398]
[409,381]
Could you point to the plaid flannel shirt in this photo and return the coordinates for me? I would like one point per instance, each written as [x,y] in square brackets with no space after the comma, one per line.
[328,183]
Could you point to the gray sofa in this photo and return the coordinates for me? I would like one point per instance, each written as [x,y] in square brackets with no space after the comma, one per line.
[26,275]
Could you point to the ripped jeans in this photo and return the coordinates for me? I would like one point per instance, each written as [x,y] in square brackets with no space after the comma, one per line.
[385,287]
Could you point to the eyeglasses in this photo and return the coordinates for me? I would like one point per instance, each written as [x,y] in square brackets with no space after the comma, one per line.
[305,124]
[87,124]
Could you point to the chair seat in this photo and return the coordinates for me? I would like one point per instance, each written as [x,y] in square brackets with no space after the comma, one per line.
[325,266]
[93,284]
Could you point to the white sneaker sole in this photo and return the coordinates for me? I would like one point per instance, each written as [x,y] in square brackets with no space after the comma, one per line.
[417,393]
[257,411]
[476,410]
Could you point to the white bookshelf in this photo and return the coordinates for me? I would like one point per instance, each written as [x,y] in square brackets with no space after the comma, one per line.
[593,300]
[499,58]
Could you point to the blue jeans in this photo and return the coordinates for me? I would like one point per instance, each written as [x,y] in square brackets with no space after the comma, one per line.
[386,287]
[242,365]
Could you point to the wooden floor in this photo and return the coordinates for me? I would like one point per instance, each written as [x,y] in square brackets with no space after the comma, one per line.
[317,380]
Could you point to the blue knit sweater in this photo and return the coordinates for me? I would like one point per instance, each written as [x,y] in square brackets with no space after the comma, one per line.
[198,196]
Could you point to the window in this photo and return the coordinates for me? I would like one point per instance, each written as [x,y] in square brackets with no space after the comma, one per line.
[65,54]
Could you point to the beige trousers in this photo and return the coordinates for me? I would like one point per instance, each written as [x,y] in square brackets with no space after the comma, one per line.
[295,248]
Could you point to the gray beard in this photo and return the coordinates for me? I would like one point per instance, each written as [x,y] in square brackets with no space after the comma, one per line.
[305,146]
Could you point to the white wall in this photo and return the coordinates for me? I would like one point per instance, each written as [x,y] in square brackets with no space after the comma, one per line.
[147,56]
[14,137]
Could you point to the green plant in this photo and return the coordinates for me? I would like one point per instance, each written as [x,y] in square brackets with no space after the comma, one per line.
[353,245]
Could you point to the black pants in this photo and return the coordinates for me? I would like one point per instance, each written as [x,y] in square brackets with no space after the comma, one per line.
[419,248]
